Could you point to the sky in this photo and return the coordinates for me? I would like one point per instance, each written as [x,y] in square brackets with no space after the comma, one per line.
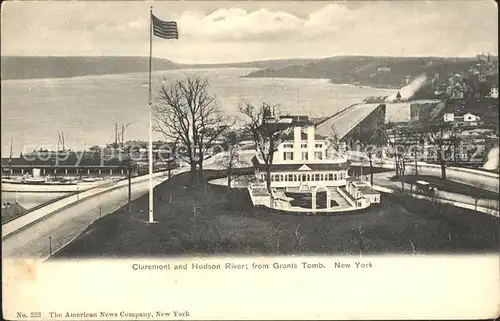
[234,31]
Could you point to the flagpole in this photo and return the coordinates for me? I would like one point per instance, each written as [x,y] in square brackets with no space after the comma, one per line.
[151,217]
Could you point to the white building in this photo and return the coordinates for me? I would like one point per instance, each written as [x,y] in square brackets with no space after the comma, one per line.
[494,92]
[449,117]
[362,190]
[468,119]
[306,163]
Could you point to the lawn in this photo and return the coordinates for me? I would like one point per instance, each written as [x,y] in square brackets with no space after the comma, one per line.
[453,187]
[356,170]
[206,221]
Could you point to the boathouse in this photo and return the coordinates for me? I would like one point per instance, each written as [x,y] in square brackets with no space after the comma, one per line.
[69,164]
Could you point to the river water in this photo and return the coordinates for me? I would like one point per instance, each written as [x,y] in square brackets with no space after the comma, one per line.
[86,108]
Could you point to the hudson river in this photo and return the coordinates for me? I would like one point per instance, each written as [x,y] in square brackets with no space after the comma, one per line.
[87,108]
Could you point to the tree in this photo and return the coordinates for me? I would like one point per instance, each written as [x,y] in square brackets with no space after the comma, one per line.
[266,132]
[477,191]
[442,137]
[231,159]
[278,230]
[187,113]
[370,143]
[400,138]
[334,144]
[299,239]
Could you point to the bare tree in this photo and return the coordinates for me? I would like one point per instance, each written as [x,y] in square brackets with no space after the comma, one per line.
[334,144]
[400,138]
[278,229]
[266,133]
[187,113]
[443,137]
[231,159]
[370,143]
[478,191]
[299,238]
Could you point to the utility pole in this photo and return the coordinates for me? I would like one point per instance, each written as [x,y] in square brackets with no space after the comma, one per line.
[129,181]
[123,133]
[121,136]
[416,164]
[50,246]
[116,134]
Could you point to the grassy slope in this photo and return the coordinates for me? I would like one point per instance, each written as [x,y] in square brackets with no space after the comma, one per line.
[224,227]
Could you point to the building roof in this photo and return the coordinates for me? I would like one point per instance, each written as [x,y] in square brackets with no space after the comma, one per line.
[360,183]
[290,136]
[70,161]
[291,120]
[367,190]
[260,192]
[296,167]
[346,120]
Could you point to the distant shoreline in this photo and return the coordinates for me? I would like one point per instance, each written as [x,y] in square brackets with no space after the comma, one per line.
[200,68]
[121,73]
[354,84]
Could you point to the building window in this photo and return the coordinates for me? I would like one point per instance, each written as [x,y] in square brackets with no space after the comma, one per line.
[308,177]
[287,145]
[318,145]
[323,177]
[290,177]
[288,155]
[318,155]
[273,178]
[335,176]
[317,177]
[330,177]
[285,178]
[303,146]
[304,156]
[304,177]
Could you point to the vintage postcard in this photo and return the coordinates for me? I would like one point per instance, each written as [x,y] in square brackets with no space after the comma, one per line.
[221,160]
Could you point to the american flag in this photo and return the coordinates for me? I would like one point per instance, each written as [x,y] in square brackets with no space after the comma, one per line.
[165,29]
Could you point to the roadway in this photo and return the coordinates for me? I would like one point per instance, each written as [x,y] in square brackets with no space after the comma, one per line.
[382,179]
[66,224]
[457,174]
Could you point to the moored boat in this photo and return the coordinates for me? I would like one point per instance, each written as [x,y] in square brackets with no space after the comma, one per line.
[34,180]
[48,186]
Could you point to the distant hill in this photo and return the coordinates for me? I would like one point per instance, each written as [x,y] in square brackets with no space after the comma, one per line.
[18,67]
[273,63]
[370,71]
[358,70]
[14,67]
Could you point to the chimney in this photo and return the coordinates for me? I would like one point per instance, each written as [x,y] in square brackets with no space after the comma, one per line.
[297,142]
[310,142]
